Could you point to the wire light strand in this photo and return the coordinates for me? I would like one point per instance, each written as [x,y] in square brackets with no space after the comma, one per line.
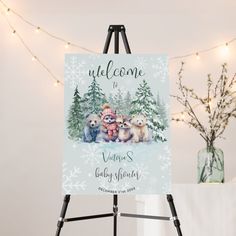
[28,49]
[68,42]
[39,28]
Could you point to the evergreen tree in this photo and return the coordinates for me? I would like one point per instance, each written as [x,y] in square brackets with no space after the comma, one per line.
[162,111]
[127,103]
[146,104]
[76,117]
[111,100]
[118,104]
[94,99]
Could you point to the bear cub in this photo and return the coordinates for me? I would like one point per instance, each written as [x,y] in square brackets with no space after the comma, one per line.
[92,128]
[139,128]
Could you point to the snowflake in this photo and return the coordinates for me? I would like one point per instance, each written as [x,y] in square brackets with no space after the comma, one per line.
[70,179]
[91,154]
[161,69]
[74,71]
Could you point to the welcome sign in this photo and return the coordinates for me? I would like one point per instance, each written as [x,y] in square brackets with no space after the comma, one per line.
[116,124]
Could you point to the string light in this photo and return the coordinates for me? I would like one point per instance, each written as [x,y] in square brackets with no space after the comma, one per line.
[197,56]
[8,11]
[182,115]
[45,31]
[37,30]
[34,58]
[56,83]
[225,50]
[92,51]
[67,45]
[227,46]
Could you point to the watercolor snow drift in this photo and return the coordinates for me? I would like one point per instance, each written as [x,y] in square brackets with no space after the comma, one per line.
[116,124]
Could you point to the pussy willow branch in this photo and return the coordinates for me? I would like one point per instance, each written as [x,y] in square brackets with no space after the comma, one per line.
[218,116]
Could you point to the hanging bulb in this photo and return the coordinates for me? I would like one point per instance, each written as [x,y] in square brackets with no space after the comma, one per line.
[34,58]
[182,115]
[37,30]
[225,50]
[67,45]
[8,11]
[13,32]
[197,56]
[226,47]
[56,83]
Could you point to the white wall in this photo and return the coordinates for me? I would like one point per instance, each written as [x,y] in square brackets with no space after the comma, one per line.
[31,117]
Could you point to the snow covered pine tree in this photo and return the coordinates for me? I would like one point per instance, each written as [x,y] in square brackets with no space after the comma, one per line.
[94,99]
[161,109]
[145,103]
[76,117]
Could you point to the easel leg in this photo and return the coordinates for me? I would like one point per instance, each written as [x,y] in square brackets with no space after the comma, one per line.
[115,211]
[60,222]
[108,40]
[174,214]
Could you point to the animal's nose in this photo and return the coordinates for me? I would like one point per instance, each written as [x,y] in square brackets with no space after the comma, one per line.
[92,124]
[140,123]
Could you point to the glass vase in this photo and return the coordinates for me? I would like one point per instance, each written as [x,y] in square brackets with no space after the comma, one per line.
[211,165]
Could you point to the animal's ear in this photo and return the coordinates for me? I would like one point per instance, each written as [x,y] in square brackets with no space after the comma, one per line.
[86,115]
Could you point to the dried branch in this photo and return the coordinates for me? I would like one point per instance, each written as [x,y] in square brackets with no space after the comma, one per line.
[222,94]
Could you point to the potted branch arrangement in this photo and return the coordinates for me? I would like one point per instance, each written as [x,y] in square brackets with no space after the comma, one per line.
[220,106]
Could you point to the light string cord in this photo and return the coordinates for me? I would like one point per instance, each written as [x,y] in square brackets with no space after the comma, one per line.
[69,43]
[57,81]
[54,77]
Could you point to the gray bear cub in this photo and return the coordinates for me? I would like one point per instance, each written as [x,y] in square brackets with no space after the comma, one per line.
[92,128]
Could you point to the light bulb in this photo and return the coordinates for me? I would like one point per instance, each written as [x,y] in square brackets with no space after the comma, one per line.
[37,30]
[226,47]
[13,32]
[8,11]
[197,56]
[56,83]
[34,58]
[67,45]
[182,115]
[225,50]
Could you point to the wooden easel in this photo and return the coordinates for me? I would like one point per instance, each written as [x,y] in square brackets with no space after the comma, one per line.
[117,30]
